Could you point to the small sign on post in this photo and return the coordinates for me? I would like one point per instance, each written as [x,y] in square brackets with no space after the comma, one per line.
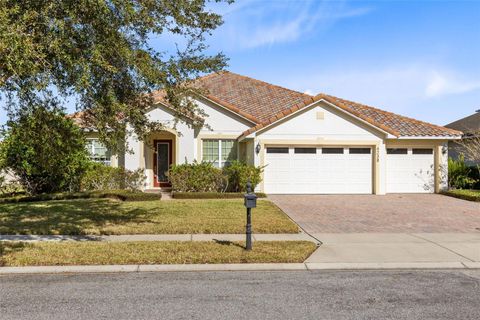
[250,202]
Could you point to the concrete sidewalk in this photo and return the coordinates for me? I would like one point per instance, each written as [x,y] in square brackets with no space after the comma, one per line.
[374,248]
[345,251]
[161,237]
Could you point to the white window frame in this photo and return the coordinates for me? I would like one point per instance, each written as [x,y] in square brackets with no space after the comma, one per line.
[91,152]
[221,162]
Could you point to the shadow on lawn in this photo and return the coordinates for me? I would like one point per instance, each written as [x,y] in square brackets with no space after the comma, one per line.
[9,247]
[71,217]
[228,243]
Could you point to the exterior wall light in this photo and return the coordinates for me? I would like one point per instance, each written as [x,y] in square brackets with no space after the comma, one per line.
[258,148]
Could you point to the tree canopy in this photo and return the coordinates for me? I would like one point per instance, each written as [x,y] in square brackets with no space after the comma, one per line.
[44,150]
[98,52]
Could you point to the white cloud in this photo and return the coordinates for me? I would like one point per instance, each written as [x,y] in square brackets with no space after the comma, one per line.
[254,24]
[399,83]
[431,93]
[445,84]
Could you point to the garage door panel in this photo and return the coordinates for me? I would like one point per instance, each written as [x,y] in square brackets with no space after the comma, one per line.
[410,173]
[320,173]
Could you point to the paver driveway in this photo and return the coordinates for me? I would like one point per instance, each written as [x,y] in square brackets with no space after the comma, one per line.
[399,213]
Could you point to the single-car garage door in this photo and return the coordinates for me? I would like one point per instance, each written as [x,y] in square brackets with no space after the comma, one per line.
[410,170]
[324,170]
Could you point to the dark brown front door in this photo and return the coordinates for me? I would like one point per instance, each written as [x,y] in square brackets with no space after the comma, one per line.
[162,160]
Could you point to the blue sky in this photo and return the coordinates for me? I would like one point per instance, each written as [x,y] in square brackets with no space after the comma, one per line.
[416,58]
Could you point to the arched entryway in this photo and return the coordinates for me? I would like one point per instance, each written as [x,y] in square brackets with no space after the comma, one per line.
[160,154]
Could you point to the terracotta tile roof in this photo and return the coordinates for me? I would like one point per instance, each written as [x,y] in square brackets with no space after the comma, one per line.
[264,103]
[257,100]
[79,118]
[403,126]
[386,121]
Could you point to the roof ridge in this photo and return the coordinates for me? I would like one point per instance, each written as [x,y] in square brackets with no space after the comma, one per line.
[266,83]
[211,74]
[390,113]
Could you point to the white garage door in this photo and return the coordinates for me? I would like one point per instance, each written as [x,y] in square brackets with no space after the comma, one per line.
[410,170]
[326,170]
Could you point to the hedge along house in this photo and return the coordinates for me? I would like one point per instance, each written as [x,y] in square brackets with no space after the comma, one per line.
[308,144]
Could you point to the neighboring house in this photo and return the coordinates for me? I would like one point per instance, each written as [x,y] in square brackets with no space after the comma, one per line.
[471,127]
[309,145]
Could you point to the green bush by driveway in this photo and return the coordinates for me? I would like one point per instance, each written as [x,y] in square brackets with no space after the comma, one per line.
[103,216]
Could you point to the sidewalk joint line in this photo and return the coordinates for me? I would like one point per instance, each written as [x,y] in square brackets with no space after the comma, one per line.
[443,247]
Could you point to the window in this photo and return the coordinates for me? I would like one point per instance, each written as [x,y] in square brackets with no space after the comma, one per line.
[397,151]
[277,150]
[332,150]
[305,150]
[219,152]
[360,150]
[98,152]
[422,151]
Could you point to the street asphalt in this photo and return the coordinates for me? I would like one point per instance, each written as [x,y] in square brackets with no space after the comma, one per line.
[441,294]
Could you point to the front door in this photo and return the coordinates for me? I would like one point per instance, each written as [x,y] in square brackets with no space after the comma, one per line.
[162,160]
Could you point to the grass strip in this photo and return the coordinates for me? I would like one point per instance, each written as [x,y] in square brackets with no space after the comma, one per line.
[171,252]
[470,195]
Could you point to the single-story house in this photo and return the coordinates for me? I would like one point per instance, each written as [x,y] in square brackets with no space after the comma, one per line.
[308,144]
[470,126]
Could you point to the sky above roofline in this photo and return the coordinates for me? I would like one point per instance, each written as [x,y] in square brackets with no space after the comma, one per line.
[414,58]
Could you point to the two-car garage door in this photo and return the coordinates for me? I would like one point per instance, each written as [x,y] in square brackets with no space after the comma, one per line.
[322,170]
[345,170]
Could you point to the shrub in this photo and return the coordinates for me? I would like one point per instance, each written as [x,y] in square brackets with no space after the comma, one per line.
[475,175]
[9,188]
[102,177]
[213,195]
[44,150]
[238,173]
[196,177]
[459,174]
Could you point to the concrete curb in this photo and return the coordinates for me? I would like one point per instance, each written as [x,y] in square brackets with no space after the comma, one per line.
[385,265]
[236,267]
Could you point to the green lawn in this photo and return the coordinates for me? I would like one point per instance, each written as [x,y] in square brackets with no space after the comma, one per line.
[103,253]
[471,195]
[103,216]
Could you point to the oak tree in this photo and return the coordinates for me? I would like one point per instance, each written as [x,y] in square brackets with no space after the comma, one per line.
[99,52]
